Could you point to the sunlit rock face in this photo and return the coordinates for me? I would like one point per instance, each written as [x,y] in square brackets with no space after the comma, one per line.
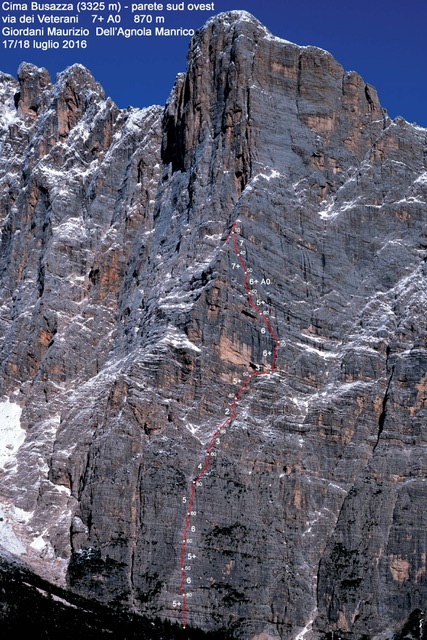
[128,323]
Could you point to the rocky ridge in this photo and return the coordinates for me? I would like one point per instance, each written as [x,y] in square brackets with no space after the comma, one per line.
[124,327]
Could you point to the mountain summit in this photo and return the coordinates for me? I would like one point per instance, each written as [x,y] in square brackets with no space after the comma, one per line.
[212,329]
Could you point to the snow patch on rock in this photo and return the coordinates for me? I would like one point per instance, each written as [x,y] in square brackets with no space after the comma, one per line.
[12,435]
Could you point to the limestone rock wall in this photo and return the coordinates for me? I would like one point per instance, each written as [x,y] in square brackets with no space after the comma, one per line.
[125,328]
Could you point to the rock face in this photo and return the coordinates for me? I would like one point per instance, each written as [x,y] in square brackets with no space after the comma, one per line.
[131,318]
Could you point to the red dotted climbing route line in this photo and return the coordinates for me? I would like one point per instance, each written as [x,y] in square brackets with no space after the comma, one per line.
[230,418]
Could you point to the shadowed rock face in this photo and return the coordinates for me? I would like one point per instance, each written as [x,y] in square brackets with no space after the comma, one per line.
[125,327]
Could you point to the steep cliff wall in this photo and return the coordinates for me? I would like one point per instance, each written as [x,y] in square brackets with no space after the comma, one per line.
[133,324]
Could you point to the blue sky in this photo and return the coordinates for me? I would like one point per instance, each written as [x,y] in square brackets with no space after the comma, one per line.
[384,41]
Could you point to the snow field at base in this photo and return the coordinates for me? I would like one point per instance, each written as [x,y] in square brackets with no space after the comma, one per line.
[33,547]
[17,533]
[12,435]
[8,539]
